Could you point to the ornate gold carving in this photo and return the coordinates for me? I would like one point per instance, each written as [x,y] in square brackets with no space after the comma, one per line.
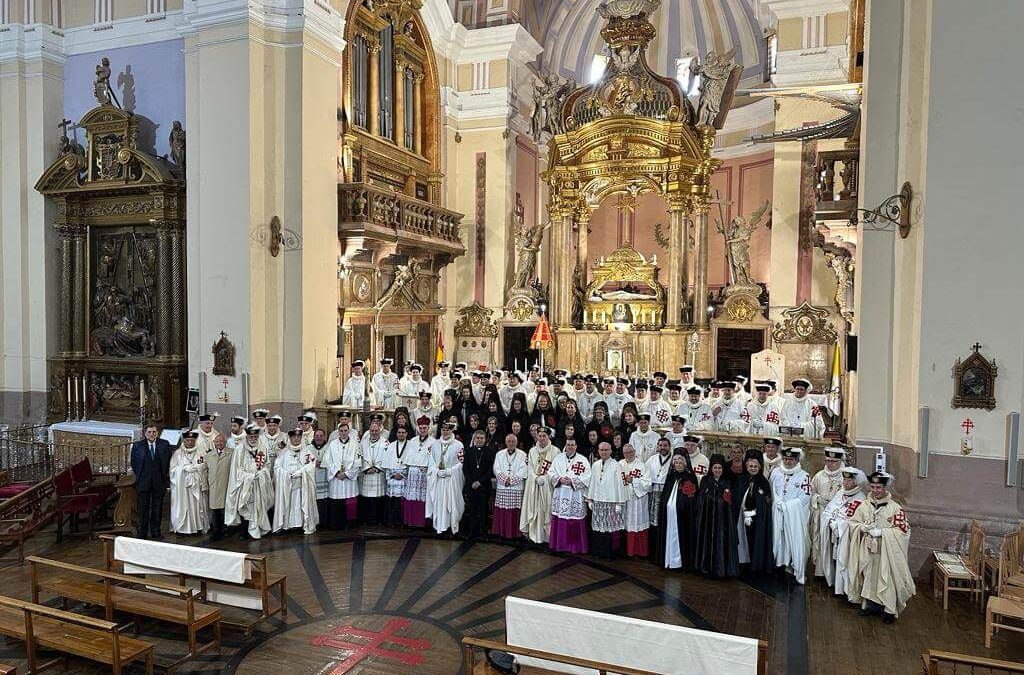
[521,306]
[361,287]
[742,310]
[476,321]
[974,381]
[805,324]
[842,267]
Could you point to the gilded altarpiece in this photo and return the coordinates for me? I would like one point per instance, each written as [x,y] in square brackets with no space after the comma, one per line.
[121,223]
[630,133]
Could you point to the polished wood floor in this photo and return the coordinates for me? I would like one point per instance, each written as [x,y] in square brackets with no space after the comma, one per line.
[386,601]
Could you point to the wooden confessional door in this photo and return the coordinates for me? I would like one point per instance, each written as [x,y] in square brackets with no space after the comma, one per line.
[735,345]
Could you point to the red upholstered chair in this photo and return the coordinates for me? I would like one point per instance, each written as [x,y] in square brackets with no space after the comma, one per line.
[85,480]
[73,503]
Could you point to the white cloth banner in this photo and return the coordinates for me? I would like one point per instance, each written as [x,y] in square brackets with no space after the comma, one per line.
[646,645]
[142,556]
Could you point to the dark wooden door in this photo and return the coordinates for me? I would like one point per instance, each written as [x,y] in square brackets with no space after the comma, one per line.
[394,347]
[517,347]
[735,345]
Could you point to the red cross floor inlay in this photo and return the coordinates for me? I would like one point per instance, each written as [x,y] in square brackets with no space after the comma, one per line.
[361,644]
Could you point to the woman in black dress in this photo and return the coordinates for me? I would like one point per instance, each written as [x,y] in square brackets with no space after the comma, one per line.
[601,423]
[401,419]
[755,517]
[676,543]
[716,527]
[544,411]
[570,416]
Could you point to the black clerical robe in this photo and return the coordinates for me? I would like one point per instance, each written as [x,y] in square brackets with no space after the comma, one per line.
[716,528]
[477,467]
[684,483]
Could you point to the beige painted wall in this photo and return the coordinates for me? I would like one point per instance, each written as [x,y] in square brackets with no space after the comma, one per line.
[837,25]
[791,34]
[32,94]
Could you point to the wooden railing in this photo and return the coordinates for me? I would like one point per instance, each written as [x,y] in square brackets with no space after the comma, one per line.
[948,663]
[363,205]
[469,644]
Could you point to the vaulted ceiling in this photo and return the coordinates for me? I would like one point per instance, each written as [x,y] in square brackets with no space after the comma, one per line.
[570,31]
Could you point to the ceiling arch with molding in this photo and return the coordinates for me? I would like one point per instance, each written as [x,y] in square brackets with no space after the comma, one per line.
[570,31]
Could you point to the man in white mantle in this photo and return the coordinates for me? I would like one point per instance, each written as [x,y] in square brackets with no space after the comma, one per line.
[250,486]
[295,502]
[444,482]
[791,493]
[190,488]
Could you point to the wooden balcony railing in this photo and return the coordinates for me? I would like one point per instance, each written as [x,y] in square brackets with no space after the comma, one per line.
[363,207]
[837,184]
[948,663]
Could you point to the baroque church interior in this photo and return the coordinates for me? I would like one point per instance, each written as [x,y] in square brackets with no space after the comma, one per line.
[640,336]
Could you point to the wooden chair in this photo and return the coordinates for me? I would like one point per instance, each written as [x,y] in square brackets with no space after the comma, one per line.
[87,481]
[74,504]
[71,635]
[1005,610]
[961,574]
[938,663]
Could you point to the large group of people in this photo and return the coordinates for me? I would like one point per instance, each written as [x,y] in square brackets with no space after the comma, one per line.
[618,472]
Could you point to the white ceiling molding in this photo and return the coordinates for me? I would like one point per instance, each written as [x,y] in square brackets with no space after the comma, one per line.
[790,9]
[26,43]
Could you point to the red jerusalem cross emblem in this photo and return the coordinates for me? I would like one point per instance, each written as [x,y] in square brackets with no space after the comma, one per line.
[360,644]
[577,469]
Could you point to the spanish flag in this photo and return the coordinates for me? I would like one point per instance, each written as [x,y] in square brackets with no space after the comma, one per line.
[439,357]
[834,395]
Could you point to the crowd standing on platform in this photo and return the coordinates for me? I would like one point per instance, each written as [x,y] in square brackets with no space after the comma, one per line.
[580,464]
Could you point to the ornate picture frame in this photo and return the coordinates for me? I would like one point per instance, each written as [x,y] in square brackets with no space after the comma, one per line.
[974,381]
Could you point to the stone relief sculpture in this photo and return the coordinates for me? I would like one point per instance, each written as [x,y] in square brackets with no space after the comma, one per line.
[528,241]
[101,87]
[176,140]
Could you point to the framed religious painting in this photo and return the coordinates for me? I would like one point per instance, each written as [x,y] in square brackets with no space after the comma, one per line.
[974,381]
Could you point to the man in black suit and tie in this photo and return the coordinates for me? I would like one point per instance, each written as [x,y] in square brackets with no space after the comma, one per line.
[151,460]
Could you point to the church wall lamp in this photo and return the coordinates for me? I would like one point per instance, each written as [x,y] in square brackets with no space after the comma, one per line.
[892,215]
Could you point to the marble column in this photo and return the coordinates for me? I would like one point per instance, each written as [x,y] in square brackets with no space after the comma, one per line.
[700,285]
[561,267]
[373,105]
[582,237]
[676,261]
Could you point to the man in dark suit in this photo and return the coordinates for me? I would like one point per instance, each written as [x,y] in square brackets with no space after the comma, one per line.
[151,460]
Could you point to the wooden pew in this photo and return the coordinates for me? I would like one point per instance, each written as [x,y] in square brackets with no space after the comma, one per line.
[260,580]
[116,593]
[70,634]
[8,670]
[24,514]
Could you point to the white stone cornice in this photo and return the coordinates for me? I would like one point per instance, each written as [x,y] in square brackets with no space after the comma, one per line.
[493,43]
[790,9]
[750,116]
[821,65]
[316,16]
[29,42]
[136,30]
[477,104]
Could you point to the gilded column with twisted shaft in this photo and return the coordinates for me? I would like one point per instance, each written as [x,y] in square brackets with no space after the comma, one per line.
[177,291]
[79,292]
[677,206]
[67,290]
[163,284]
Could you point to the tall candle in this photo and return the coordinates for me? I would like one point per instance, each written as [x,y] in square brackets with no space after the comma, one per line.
[73,390]
[142,392]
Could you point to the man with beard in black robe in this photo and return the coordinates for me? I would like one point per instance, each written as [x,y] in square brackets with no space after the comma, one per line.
[754,519]
[716,528]
[477,468]
[676,540]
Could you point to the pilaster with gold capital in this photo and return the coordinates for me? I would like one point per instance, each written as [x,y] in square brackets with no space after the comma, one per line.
[374,102]
[700,283]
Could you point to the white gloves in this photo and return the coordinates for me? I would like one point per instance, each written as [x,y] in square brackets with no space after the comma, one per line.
[875,532]
[748,517]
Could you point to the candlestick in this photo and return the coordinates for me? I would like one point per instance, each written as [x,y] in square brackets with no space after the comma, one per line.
[142,392]
[84,402]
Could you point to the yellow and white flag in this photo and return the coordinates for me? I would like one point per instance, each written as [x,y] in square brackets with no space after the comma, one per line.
[834,397]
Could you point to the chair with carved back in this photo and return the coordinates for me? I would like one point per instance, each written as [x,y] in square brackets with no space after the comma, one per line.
[953,573]
[73,504]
